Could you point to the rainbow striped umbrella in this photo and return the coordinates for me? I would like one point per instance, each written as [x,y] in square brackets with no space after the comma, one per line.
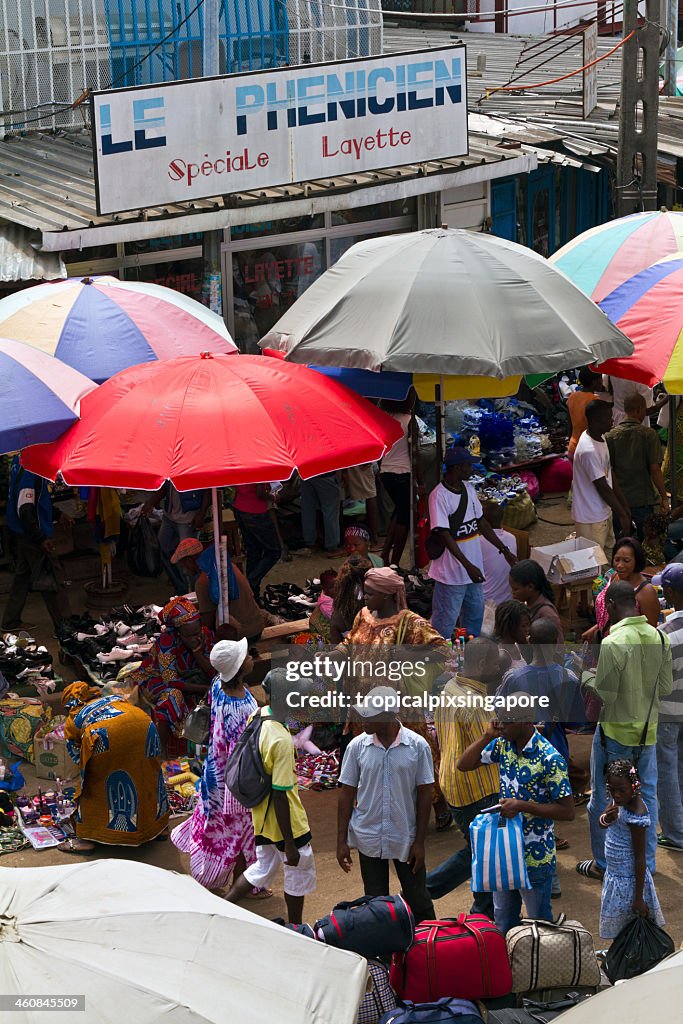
[39,396]
[101,325]
[648,308]
[600,260]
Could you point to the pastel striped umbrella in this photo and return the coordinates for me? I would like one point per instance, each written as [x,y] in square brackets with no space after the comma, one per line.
[648,308]
[601,259]
[39,396]
[101,325]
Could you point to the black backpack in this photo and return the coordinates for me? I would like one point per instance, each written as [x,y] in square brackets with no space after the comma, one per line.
[245,776]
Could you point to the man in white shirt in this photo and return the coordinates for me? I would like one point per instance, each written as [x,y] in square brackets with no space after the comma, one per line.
[496,569]
[596,495]
[621,389]
[456,513]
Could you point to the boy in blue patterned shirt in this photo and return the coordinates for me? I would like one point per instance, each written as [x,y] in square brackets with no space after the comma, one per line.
[534,783]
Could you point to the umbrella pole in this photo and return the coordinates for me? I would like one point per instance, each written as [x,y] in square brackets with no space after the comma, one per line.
[438,391]
[414,455]
[217,552]
[673,462]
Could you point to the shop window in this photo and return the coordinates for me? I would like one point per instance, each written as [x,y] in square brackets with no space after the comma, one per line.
[182,275]
[378,211]
[266,282]
[146,245]
[240,232]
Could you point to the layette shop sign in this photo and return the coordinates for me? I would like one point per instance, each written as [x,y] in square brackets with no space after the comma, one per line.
[191,140]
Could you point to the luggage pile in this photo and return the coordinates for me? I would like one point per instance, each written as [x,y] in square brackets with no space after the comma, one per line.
[460,969]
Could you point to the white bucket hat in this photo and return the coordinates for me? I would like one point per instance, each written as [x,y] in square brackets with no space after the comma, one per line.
[228,656]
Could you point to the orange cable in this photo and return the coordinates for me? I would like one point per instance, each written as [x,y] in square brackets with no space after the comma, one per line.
[552,81]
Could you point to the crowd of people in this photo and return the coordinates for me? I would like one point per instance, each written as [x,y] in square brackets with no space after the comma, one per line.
[626,685]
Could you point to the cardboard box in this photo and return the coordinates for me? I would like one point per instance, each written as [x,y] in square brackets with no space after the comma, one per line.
[570,561]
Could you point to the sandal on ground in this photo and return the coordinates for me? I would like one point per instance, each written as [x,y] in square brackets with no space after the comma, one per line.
[580,799]
[588,869]
[77,847]
[259,894]
[443,821]
[666,844]
[561,844]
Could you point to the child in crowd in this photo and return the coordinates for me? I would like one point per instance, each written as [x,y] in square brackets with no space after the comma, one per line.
[627,887]
[535,784]
[322,615]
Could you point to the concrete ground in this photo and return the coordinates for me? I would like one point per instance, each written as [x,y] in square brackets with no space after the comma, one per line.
[580,897]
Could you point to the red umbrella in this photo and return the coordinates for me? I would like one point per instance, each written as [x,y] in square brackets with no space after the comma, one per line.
[212,421]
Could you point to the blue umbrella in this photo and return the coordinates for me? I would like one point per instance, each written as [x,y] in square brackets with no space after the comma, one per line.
[39,396]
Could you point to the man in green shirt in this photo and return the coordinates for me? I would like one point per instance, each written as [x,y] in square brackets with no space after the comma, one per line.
[635,452]
[633,674]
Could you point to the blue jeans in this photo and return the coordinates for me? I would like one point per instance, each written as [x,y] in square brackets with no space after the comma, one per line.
[449,601]
[323,491]
[508,905]
[261,544]
[170,536]
[458,868]
[646,762]
[670,780]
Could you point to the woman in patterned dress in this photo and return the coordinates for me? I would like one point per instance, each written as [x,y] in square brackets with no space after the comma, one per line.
[219,836]
[177,670]
[122,797]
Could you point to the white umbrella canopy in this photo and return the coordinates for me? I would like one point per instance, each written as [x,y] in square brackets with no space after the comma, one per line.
[650,997]
[445,301]
[146,945]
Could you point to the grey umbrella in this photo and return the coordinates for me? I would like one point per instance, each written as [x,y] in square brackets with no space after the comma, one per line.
[446,302]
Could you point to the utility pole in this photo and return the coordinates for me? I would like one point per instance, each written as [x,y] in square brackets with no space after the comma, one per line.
[638,113]
[670,22]
[211,248]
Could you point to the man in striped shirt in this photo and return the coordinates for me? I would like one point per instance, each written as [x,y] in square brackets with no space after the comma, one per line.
[669,732]
[467,793]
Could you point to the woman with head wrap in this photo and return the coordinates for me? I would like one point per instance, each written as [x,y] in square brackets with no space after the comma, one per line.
[385,620]
[357,542]
[177,668]
[122,796]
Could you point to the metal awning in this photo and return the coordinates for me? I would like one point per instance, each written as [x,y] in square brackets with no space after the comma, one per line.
[21,258]
[47,184]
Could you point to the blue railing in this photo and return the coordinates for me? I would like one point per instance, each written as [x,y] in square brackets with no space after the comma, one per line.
[253,34]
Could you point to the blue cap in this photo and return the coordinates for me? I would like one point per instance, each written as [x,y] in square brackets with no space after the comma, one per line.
[670,576]
[458,457]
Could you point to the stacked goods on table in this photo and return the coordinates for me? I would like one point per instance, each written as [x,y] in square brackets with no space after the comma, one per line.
[460,969]
[25,666]
[45,818]
[106,645]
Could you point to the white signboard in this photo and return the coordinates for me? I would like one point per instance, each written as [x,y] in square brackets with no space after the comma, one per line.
[590,75]
[191,140]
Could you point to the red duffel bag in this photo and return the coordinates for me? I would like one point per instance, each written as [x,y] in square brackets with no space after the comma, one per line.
[459,959]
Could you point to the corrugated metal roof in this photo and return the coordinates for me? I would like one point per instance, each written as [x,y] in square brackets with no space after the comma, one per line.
[47,183]
[20,258]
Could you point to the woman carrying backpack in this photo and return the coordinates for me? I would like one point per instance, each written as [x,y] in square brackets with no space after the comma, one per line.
[219,836]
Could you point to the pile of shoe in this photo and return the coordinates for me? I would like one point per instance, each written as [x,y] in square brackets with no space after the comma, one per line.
[290,602]
[23,662]
[104,645]
[419,592]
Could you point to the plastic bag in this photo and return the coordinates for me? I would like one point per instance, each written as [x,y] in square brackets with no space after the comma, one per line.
[15,780]
[43,579]
[498,853]
[144,553]
[639,946]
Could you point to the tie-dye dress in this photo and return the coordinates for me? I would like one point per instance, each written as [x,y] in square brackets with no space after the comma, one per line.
[220,829]
[122,799]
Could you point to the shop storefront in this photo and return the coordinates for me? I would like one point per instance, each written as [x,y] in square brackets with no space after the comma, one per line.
[266,266]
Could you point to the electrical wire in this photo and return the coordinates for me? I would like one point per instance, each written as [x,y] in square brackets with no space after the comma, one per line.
[129,71]
[562,78]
